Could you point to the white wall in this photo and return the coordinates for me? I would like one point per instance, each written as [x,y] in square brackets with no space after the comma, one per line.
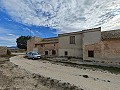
[74,50]
[90,37]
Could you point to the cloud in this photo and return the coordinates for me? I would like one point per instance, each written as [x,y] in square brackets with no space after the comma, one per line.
[7,38]
[65,15]
[10,34]
[5,41]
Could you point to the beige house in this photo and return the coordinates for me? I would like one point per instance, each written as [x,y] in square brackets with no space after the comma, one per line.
[45,46]
[90,45]
[106,50]
[72,44]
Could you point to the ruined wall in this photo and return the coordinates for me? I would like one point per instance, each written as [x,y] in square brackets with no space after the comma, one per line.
[74,50]
[107,51]
[3,50]
[31,44]
[48,47]
[111,51]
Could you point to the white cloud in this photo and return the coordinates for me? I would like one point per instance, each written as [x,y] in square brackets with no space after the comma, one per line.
[7,38]
[10,34]
[65,15]
[7,41]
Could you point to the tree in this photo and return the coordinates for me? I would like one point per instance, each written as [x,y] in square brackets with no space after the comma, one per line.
[22,42]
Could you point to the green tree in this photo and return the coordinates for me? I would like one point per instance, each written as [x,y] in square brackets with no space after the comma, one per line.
[22,42]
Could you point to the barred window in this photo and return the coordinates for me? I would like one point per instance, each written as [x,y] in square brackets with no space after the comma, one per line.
[72,39]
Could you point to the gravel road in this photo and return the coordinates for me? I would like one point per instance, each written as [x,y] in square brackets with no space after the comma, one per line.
[86,79]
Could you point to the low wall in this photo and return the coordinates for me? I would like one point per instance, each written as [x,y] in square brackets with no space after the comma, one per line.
[3,50]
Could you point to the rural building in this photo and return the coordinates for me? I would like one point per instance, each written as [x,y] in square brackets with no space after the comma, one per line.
[106,50]
[45,46]
[73,44]
[90,45]
[70,44]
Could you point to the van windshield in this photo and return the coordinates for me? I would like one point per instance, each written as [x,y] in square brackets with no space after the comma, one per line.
[35,53]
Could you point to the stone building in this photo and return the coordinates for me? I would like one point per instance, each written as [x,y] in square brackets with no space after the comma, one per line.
[32,42]
[72,44]
[45,46]
[106,50]
[90,45]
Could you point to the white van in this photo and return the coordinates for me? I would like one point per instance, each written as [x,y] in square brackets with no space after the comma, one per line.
[33,55]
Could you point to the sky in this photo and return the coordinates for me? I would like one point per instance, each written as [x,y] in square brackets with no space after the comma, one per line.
[48,18]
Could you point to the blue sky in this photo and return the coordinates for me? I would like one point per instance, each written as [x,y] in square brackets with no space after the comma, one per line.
[10,30]
[48,18]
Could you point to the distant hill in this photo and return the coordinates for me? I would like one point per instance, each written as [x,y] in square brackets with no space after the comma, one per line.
[13,47]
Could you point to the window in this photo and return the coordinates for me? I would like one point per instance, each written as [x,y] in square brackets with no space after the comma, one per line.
[53,52]
[41,45]
[72,39]
[90,53]
[46,52]
[66,53]
[35,46]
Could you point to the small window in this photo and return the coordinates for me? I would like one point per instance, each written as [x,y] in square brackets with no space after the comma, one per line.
[41,45]
[35,46]
[72,39]
[53,52]
[46,52]
[91,53]
[66,53]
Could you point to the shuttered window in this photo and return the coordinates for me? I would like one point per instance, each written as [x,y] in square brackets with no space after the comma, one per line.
[72,39]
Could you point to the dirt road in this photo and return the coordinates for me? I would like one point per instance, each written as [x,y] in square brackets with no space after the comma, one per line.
[86,79]
[14,78]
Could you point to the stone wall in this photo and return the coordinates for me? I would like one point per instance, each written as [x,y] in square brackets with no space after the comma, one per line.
[107,51]
[31,43]
[111,51]
[3,50]
[48,47]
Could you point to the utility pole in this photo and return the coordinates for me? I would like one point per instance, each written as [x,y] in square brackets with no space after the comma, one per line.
[30,33]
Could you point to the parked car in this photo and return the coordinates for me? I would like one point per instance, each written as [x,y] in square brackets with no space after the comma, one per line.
[33,55]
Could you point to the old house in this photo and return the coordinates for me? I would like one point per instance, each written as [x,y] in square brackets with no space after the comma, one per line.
[72,44]
[45,46]
[107,50]
[90,45]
